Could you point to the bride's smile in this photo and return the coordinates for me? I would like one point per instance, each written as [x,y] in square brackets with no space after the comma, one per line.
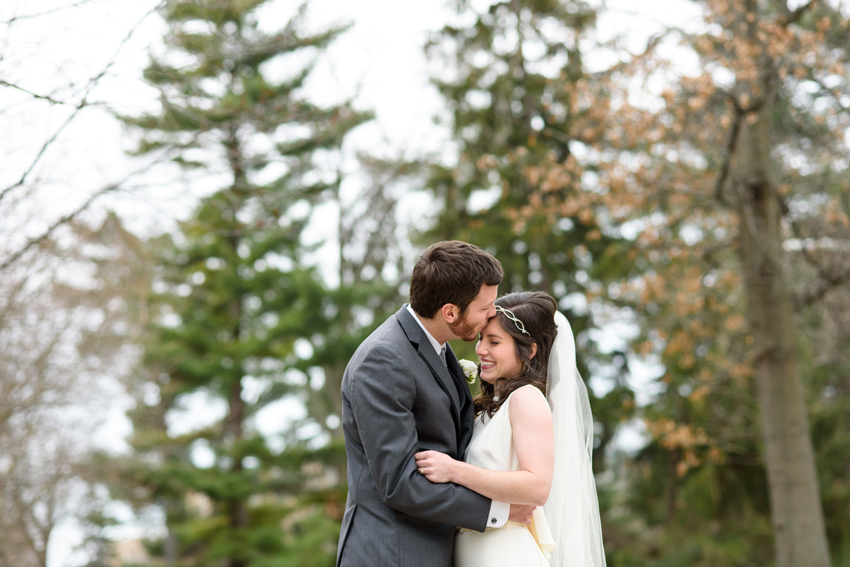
[496,351]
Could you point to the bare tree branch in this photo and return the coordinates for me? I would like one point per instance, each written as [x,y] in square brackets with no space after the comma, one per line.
[46,12]
[93,82]
[795,15]
[828,282]
[51,100]
[740,114]
[33,242]
[43,149]
[803,252]
[825,90]
[651,45]
[727,161]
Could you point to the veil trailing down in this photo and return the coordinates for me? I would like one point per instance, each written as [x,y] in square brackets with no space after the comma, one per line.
[573,508]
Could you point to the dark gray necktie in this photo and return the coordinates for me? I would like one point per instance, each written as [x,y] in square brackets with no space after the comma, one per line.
[443,356]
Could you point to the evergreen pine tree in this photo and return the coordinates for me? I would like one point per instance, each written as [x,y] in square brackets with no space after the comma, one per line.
[233,294]
[516,90]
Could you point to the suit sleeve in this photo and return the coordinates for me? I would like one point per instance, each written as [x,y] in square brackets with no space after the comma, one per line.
[382,392]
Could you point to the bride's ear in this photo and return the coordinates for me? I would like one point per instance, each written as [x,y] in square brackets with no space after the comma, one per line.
[533,350]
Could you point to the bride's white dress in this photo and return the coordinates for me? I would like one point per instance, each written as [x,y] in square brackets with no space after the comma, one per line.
[513,545]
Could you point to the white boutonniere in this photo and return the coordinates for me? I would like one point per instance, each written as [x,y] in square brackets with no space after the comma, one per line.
[470,370]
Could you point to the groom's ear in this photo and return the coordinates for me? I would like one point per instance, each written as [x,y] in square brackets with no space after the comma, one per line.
[450,312]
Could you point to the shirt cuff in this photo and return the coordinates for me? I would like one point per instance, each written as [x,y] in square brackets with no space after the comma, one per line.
[499,512]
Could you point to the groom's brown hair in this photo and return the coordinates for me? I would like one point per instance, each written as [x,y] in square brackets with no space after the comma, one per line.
[451,271]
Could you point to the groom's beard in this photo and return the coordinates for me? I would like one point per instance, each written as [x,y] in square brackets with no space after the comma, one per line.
[464,330]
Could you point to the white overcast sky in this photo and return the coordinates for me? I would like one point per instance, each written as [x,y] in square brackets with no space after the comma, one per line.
[379,61]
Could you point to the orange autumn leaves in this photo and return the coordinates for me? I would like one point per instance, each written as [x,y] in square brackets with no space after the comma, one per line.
[695,446]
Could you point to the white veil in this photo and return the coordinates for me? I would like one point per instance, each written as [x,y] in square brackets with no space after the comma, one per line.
[572,510]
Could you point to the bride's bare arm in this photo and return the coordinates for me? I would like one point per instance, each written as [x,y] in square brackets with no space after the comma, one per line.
[531,422]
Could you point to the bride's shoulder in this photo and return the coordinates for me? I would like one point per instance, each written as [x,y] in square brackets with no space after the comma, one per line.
[528,409]
[528,397]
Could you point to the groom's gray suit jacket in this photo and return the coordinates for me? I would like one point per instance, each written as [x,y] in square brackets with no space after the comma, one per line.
[398,399]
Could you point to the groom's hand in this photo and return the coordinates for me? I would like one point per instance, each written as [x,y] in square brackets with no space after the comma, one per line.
[521,513]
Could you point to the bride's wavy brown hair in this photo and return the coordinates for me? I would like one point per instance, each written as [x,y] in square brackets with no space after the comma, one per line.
[536,310]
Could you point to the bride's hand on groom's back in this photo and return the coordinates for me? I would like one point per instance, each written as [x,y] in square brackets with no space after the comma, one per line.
[521,513]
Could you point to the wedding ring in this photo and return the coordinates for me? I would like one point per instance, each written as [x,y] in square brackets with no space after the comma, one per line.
[421,470]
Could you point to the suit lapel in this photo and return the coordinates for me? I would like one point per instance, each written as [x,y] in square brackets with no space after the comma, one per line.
[467,411]
[426,351]
[417,336]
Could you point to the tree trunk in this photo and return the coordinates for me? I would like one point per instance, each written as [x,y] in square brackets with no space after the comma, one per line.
[796,512]
[234,429]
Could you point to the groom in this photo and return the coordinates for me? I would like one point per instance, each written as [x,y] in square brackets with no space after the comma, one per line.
[404,392]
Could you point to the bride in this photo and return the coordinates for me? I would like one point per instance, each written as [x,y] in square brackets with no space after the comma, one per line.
[523,453]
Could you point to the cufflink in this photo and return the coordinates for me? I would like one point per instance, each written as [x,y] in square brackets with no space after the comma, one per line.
[493,520]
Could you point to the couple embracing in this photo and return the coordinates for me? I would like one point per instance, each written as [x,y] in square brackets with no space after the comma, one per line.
[436,478]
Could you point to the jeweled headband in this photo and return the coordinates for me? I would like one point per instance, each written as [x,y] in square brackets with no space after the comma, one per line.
[510,315]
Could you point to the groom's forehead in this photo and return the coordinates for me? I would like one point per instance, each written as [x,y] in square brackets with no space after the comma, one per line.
[487,294]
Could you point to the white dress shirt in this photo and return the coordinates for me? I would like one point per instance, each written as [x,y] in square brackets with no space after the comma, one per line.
[499,511]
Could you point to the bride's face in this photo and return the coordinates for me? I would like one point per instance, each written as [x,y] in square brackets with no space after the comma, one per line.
[497,351]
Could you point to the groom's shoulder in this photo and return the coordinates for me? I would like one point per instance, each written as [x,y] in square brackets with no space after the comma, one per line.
[390,333]
[386,343]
